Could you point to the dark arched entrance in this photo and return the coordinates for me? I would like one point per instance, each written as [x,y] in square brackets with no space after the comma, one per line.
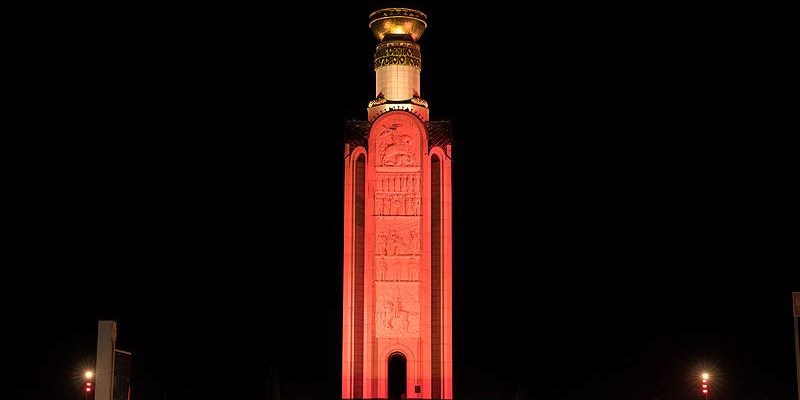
[397,376]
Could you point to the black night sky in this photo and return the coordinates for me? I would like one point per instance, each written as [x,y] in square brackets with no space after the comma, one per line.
[625,195]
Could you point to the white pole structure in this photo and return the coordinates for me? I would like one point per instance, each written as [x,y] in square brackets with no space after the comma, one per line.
[796,309]
[104,365]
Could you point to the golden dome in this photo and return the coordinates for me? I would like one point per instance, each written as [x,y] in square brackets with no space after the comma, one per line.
[397,21]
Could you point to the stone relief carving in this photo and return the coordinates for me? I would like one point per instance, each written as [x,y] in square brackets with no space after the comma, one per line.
[396,237]
[382,269]
[412,268]
[396,193]
[397,310]
[397,143]
[390,182]
[398,204]
[397,268]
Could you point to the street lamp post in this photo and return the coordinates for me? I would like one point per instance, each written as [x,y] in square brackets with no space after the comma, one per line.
[796,312]
[88,385]
[705,385]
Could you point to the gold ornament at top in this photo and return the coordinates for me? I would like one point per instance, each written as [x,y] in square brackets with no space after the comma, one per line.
[398,21]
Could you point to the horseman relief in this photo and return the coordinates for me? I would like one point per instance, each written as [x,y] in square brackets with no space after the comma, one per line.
[397,310]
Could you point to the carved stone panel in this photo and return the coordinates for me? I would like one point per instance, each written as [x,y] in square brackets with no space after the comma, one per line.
[397,268]
[398,183]
[398,204]
[398,194]
[398,141]
[397,236]
[397,310]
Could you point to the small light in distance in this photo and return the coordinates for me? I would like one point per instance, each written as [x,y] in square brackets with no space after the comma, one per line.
[88,374]
[705,376]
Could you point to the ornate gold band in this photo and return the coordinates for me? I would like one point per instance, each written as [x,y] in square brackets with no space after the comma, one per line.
[398,53]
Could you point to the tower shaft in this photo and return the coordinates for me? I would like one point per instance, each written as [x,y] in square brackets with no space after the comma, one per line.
[397,289]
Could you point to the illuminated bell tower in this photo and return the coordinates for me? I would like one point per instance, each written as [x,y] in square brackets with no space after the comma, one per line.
[397,294]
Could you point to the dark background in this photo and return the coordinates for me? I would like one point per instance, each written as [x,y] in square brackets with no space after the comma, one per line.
[625,202]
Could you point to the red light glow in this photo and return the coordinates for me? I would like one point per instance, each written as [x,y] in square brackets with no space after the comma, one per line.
[88,389]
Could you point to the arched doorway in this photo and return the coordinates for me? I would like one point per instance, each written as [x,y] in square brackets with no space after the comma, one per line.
[397,376]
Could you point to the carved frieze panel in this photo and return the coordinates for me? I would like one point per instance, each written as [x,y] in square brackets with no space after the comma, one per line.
[397,310]
[397,53]
[398,204]
[398,183]
[397,141]
[398,194]
[397,268]
[397,236]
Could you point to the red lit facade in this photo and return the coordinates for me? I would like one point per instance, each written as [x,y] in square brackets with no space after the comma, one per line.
[397,289]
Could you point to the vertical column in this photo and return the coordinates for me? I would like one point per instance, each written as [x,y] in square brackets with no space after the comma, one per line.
[447,275]
[397,70]
[347,284]
[353,294]
[358,284]
[104,364]
[436,278]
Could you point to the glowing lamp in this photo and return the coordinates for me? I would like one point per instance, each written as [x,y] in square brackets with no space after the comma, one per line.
[398,21]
